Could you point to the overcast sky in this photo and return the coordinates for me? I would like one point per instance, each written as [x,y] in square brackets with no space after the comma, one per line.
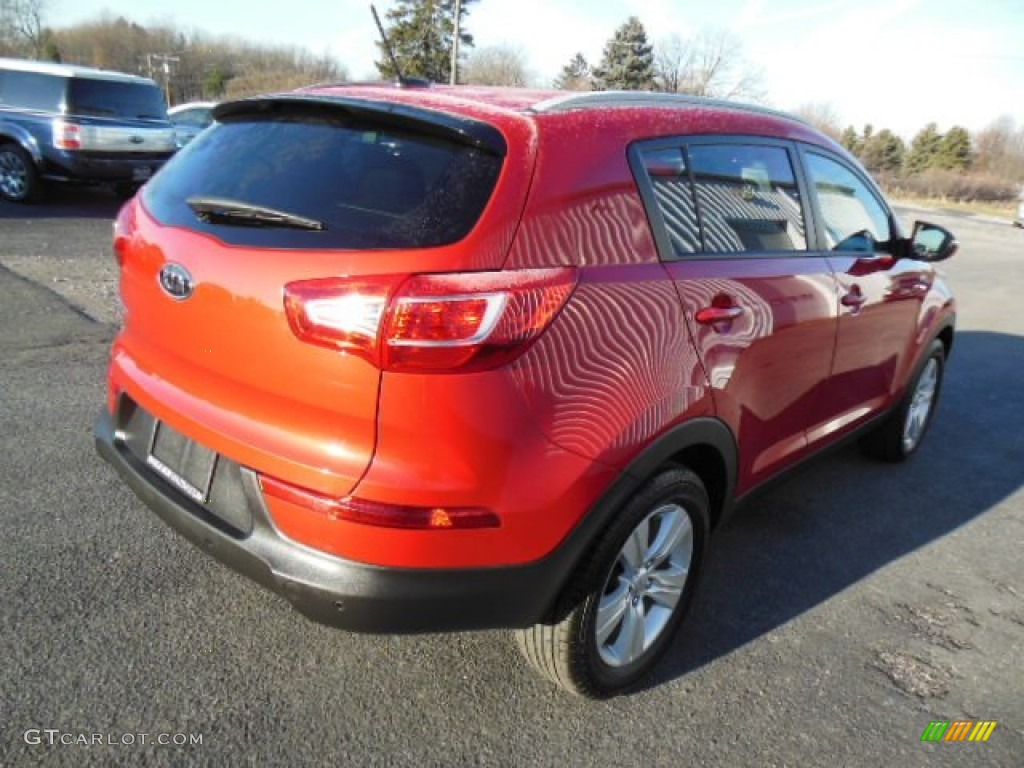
[893,63]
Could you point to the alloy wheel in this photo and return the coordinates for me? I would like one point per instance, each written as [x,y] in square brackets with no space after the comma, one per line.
[921,403]
[645,585]
[13,176]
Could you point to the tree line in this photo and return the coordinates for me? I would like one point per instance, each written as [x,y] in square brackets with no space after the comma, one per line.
[190,65]
[986,165]
[194,65]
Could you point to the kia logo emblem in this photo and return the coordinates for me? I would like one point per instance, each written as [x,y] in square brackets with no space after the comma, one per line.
[176,281]
[137,139]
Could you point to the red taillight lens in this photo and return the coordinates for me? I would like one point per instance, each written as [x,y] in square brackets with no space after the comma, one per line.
[124,227]
[443,322]
[384,515]
[66,135]
[339,313]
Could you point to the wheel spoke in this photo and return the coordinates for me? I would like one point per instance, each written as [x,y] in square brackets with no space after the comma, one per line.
[630,642]
[675,527]
[667,585]
[635,548]
[610,612]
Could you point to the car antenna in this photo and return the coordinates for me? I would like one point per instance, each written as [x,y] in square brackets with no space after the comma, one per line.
[403,81]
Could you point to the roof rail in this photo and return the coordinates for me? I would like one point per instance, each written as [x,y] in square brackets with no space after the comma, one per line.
[598,99]
[68,70]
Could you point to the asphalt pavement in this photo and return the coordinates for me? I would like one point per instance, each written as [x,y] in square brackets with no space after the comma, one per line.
[841,612]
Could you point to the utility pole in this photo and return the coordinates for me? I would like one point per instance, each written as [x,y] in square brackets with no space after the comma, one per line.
[455,42]
[165,60]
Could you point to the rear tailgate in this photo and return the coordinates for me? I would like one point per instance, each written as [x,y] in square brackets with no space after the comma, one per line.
[222,364]
[115,116]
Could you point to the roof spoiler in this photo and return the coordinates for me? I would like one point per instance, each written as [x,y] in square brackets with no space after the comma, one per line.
[473,133]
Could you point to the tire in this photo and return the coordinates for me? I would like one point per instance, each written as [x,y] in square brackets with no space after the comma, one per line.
[900,435]
[19,179]
[590,652]
[125,190]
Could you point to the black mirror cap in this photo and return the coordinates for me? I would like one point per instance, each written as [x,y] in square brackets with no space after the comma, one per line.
[930,242]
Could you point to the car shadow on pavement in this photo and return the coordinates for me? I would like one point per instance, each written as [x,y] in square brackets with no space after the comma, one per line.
[844,517]
[65,202]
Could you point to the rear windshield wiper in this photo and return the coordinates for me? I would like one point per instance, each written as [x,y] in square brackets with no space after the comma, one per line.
[223,211]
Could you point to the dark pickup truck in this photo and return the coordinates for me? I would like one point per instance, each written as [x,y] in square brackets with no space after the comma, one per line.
[78,124]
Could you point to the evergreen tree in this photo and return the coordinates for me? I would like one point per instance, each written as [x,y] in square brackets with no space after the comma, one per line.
[628,62]
[955,150]
[883,151]
[575,75]
[924,149]
[421,34]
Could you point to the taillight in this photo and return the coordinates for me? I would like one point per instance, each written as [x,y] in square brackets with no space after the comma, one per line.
[124,226]
[465,321]
[374,513]
[66,135]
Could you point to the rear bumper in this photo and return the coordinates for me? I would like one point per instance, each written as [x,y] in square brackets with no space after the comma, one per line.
[76,166]
[347,594]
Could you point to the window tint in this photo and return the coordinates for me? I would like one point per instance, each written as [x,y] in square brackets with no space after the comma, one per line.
[667,171]
[748,198]
[853,217]
[32,90]
[113,98]
[371,186]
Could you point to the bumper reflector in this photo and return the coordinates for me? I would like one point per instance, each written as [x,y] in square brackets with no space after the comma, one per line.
[383,515]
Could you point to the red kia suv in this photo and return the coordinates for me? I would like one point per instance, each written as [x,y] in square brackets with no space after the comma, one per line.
[430,358]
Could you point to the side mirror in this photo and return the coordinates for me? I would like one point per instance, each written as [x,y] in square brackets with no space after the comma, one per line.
[930,242]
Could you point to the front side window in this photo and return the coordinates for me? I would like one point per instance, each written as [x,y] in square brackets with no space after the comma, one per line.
[854,219]
[748,198]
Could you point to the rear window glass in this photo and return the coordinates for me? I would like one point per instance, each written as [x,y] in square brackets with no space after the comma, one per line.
[31,90]
[748,198]
[112,98]
[369,186]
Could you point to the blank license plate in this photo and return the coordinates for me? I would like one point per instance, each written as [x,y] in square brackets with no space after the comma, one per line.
[183,463]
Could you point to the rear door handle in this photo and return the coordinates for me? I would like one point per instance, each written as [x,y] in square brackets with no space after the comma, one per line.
[854,299]
[712,315]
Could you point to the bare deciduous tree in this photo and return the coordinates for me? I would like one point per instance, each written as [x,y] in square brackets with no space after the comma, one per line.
[711,63]
[22,28]
[823,116]
[496,65]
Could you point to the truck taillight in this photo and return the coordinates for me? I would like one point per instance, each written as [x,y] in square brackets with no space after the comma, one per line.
[438,322]
[66,135]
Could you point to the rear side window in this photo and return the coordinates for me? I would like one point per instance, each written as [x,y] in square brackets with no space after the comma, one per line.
[670,178]
[113,98]
[369,186]
[748,198]
[854,219]
[32,90]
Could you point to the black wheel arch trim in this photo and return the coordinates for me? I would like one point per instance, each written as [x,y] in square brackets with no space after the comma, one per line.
[666,450]
[13,133]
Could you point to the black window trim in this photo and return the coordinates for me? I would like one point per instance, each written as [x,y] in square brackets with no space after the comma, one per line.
[656,220]
[855,168]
